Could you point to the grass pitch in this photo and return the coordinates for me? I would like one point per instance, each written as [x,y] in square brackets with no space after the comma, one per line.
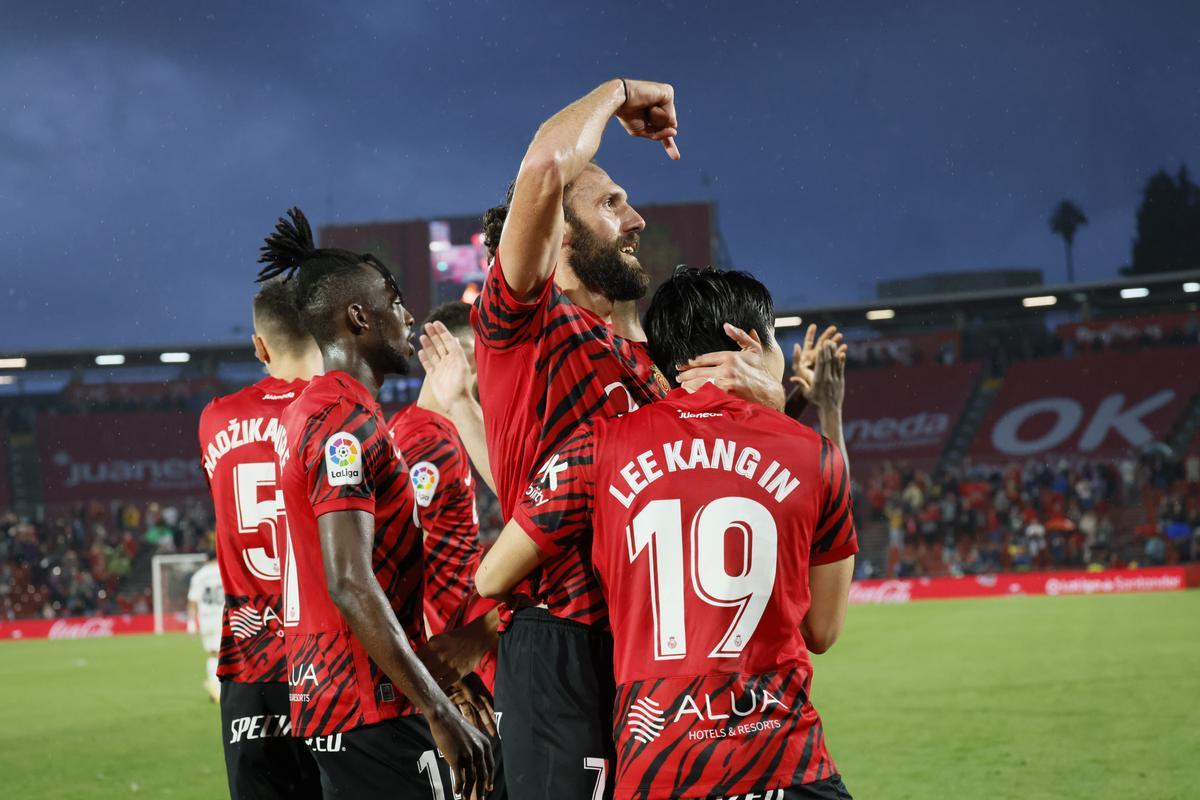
[1049,697]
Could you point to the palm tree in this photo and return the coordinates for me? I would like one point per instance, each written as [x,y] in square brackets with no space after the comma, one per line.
[1065,221]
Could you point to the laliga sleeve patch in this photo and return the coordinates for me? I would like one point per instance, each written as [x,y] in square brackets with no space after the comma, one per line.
[425,477]
[343,460]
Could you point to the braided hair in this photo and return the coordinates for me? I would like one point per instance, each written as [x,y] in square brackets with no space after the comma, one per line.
[326,278]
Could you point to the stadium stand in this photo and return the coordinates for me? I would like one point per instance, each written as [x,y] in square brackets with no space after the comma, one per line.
[983,436]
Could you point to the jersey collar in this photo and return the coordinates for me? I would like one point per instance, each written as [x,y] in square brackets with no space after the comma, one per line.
[355,389]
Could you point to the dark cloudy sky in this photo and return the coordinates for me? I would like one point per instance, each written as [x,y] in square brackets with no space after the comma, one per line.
[146,147]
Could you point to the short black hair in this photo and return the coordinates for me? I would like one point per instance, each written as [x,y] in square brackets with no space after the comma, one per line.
[687,314]
[455,315]
[328,278]
[275,312]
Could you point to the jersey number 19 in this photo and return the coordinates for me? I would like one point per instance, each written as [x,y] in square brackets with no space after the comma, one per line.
[658,530]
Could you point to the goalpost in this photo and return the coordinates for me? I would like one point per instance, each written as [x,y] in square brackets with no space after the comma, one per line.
[169,578]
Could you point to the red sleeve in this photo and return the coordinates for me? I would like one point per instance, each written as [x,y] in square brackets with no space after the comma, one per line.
[834,538]
[556,510]
[436,469]
[341,450]
[501,321]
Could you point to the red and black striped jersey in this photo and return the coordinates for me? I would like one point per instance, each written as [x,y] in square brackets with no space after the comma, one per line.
[445,491]
[545,365]
[708,511]
[238,435]
[339,456]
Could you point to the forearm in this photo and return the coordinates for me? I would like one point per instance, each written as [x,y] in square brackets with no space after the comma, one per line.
[372,621]
[796,403]
[829,586]
[467,416]
[571,138]
[831,427]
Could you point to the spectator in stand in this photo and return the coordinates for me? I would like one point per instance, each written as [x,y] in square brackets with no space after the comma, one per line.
[1071,513]
[86,563]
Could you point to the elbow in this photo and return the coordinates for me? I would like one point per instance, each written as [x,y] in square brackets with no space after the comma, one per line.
[543,172]
[341,592]
[487,587]
[821,640]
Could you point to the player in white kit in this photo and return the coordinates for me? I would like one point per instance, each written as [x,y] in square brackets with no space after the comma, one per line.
[206,600]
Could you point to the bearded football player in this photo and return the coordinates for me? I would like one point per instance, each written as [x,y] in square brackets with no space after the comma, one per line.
[557,341]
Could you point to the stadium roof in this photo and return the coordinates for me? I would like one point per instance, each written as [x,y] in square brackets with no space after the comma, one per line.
[1172,291]
[1167,291]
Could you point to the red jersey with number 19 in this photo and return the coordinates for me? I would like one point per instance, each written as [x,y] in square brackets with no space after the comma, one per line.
[339,456]
[544,365]
[238,435]
[708,511]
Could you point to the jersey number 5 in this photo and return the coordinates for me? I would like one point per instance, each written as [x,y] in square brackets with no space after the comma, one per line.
[658,530]
[253,514]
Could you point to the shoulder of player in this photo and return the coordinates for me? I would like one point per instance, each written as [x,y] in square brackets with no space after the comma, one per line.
[217,412]
[438,444]
[321,415]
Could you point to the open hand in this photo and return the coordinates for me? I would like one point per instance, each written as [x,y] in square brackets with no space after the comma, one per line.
[467,751]
[804,358]
[447,370]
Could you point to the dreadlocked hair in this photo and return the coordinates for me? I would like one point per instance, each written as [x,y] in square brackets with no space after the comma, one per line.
[287,247]
[327,279]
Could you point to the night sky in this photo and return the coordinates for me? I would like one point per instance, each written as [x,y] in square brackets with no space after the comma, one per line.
[146,148]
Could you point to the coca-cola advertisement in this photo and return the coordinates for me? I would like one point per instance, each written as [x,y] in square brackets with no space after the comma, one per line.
[905,413]
[1150,328]
[86,627]
[1099,405]
[148,455]
[906,590]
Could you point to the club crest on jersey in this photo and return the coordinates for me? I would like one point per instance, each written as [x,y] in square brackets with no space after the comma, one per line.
[343,460]
[425,477]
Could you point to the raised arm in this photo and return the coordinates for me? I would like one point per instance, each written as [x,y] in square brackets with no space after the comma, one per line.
[346,541]
[560,150]
[449,375]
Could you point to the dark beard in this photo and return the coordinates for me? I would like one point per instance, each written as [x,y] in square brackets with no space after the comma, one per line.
[601,268]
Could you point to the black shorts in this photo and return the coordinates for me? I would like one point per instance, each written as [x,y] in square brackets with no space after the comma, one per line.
[261,759]
[554,699]
[389,760]
[828,789]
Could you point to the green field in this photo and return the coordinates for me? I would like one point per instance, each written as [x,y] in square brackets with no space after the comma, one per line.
[1063,697]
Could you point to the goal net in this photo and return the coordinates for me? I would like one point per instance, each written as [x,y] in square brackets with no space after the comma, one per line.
[169,579]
